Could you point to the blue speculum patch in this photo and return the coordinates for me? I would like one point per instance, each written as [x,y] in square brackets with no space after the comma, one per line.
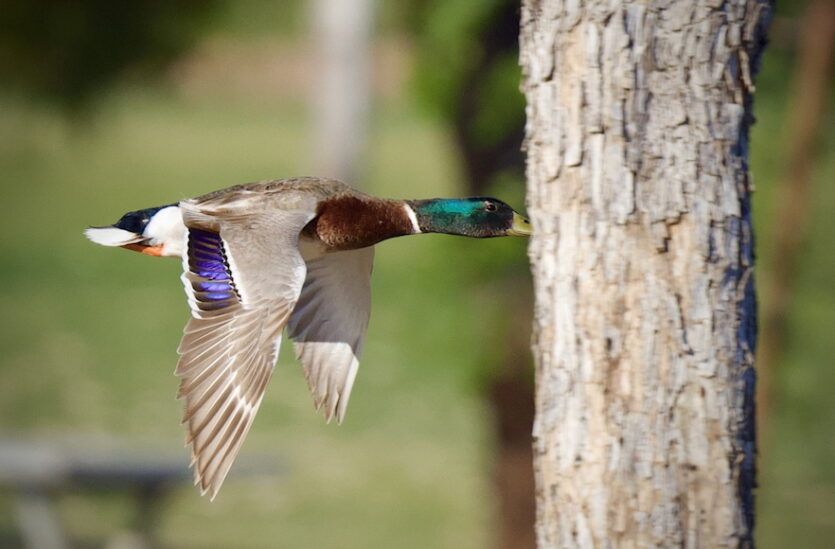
[214,286]
[217,296]
[207,261]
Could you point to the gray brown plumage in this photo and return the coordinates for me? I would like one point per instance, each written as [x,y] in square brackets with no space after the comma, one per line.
[294,253]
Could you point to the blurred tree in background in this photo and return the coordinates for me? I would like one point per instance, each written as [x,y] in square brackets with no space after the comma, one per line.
[70,364]
[468,73]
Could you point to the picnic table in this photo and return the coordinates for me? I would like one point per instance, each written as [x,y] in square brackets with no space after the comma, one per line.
[39,471]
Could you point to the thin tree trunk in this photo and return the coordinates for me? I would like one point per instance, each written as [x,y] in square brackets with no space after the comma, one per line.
[511,397]
[808,112]
[485,156]
[341,37]
[639,193]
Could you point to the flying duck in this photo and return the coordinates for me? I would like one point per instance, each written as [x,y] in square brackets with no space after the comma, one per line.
[259,257]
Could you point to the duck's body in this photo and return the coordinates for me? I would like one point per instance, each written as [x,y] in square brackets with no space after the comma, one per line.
[260,257]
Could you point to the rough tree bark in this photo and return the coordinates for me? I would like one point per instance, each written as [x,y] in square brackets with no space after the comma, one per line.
[637,138]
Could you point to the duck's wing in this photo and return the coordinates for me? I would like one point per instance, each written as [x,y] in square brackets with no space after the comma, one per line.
[242,280]
[328,325]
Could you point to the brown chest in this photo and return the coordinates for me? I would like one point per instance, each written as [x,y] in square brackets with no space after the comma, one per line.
[349,222]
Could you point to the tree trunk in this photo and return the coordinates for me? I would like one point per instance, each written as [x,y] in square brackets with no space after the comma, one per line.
[341,36]
[639,193]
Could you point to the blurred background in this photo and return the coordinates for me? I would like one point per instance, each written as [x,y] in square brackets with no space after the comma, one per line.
[109,107]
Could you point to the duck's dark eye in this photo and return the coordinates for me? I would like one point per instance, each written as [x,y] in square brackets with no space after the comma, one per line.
[490,206]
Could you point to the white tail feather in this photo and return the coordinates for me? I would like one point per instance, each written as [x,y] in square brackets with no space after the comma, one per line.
[111,236]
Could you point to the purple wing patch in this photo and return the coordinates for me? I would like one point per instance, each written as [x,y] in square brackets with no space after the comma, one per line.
[211,281]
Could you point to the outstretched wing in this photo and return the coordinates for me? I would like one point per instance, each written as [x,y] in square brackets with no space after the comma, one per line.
[328,325]
[242,281]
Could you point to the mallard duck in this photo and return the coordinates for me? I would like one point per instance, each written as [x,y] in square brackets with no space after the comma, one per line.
[259,257]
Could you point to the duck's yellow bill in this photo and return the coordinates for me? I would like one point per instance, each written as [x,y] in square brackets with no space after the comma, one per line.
[520,226]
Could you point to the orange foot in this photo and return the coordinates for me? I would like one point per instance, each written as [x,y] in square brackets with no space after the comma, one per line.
[153,251]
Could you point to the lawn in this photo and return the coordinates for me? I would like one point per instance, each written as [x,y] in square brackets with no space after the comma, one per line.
[89,333]
[88,344]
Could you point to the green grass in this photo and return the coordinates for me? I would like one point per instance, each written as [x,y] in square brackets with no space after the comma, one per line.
[88,334]
[88,342]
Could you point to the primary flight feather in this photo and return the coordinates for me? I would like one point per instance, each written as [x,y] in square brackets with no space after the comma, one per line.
[262,257]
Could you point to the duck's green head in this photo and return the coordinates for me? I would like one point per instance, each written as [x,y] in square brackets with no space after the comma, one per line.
[478,217]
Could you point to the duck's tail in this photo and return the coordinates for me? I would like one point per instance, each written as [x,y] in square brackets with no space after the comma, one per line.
[153,231]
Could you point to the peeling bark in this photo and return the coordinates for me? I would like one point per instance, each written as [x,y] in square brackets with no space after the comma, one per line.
[639,192]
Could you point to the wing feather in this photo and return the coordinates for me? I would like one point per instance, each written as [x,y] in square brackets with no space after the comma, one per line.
[328,325]
[242,279]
